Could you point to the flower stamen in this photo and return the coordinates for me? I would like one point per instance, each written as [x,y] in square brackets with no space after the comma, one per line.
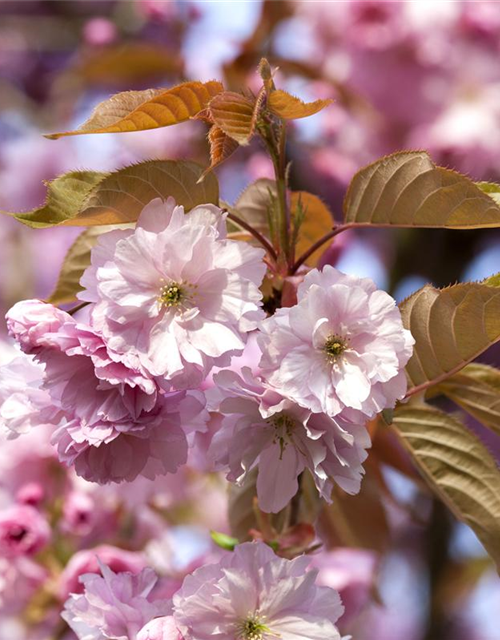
[283,430]
[253,628]
[171,295]
[334,347]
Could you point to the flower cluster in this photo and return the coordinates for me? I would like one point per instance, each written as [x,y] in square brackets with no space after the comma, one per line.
[170,300]
[328,364]
[173,299]
[250,595]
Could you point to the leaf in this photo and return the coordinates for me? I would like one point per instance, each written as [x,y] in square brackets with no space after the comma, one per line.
[264,70]
[254,202]
[122,195]
[90,198]
[317,222]
[234,114]
[224,541]
[289,107]
[492,189]
[477,390]
[451,326]
[75,262]
[492,281]
[149,109]
[221,147]
[407,189]
[65,197]
[457,466]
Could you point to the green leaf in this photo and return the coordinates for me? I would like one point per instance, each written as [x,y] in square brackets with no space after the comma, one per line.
[492,281]
[65,198]
[87,198]
[75,262]
[492,189]
[457,466]
[149,109]
[407,189]
[477,390]
[224,541]
[451,327]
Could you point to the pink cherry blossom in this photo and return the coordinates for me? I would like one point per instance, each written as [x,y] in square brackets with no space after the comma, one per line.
[265,429]
[23,531]
[119,423]
[79,513]
[174,294]
[87,561]
[160,629]
[20,578]
[31,493]
[24,404]
[252,594]
[341,350]
[352,572]
[114,605]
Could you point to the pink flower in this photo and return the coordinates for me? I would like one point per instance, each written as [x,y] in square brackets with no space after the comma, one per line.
[79,513]
[252,594]
[160,629]
[351,572]
[118,424]
[31,493]
[23,531]
[24,404]
[341,350]
[20,578]
[265,429]
[174,294]
[87,561]
[114,605]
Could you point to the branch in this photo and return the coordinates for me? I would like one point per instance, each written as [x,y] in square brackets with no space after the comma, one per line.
[258,236]
[331,234]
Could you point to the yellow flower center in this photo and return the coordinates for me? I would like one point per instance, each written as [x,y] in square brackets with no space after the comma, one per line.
[252,628]
[171,295]
[334,347]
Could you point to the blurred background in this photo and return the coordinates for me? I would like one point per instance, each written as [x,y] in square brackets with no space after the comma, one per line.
[403,75]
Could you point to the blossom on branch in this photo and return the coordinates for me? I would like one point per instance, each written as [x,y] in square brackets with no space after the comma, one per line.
[252,594]
[114,605]
[263,428]
[340,350]
[24,404]
[117,421]
[174,294]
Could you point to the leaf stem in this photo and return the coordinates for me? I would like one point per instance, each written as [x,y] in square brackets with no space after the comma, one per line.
[446,374]
[319,243]
[256,234]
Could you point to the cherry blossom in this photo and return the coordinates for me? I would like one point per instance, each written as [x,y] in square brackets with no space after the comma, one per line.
[341,350]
